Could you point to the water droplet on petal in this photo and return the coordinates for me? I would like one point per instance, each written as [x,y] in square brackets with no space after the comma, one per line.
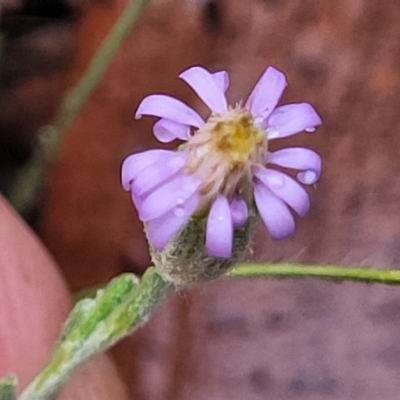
[311,129]
[179,201]
[258,121]
[272,134]
[308,177]
[179,211]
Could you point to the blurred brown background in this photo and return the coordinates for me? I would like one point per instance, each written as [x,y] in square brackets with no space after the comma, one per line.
[241,340]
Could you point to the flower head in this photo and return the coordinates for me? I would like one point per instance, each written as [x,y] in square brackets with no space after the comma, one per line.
[221,173]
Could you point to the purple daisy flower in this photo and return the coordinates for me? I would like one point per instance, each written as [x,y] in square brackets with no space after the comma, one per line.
[221,171]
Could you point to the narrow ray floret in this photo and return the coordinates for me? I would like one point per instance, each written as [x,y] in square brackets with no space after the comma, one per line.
[222,171]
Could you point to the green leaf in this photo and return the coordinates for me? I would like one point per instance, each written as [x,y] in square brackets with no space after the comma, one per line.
[88,313]
[96,324]
[8,388]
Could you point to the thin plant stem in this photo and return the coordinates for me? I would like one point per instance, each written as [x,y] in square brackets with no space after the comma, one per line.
[27,185]
[126,303]
[365,275]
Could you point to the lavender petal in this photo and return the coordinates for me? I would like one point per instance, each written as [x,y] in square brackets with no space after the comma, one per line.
[158,172]
[203,83]
[166,130]
[162,230]
[239,212]
[221,79]
[274,213]
[136,200]
[160,105]
[290,119]
[285,188]
[134,164]
[266,93]
[305,160]
[168,196]
[219,231]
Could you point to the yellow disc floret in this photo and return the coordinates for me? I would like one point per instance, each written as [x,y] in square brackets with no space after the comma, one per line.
[222,152]
[237,137]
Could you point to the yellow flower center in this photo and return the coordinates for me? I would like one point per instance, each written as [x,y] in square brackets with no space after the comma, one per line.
[237,137]
[222,152]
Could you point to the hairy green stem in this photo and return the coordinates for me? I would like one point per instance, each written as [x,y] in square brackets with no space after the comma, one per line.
[27,185]
[97,324]
[126,303]
[365,275]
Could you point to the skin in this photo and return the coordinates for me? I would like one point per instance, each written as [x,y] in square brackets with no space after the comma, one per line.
[34,302]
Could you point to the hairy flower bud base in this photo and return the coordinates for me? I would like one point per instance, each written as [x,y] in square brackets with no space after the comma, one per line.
[185,260]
